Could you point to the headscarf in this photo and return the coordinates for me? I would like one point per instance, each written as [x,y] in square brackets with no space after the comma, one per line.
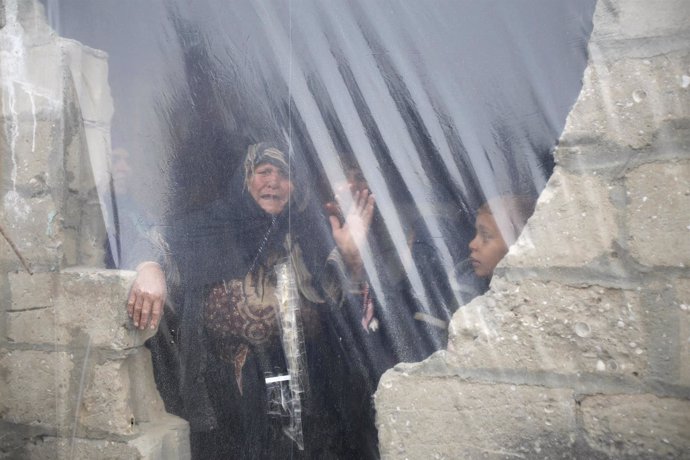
[272,153]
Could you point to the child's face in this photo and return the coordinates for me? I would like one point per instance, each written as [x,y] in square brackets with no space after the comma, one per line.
[488,247]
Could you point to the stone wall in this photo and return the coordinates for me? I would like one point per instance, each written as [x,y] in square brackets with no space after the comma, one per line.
[582,346]
[75,380]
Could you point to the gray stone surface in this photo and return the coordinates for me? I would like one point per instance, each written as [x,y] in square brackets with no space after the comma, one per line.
[36,387]
[633,19]
[566,230]
[52,448]
[449,418]
[166,439]
[658,213]
[553,327]
[624,101]
[105,404]
[637,426]
[682,307]
[72,307]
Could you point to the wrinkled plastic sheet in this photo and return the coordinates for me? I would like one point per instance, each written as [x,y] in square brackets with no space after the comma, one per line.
[434,107]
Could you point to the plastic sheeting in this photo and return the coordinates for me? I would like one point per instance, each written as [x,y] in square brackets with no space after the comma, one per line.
[434,107]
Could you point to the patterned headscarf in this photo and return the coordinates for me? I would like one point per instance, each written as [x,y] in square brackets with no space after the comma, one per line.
[267,152]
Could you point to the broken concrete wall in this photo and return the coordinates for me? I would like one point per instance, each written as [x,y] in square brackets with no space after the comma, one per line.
[75,381]
[581,347]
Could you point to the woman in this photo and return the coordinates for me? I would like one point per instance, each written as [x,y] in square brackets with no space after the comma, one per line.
[244,396]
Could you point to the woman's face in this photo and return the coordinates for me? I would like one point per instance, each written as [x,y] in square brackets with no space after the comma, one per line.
[270,187]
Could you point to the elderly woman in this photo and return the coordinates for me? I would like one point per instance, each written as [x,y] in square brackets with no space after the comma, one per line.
[243,393]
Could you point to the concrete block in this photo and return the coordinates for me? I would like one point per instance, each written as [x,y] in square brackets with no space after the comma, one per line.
[50,448]
[120,396]
[546,326]
[626,101]
[640,19]
[637,426]
[574,224]
[38,81]
[658,214]
[30,149]
[166,439]
[29,292]
[422,417]
[681,306]
[105,401]
[32,326]
[92,301]
[34,227]
[89,70]
[84,305]
[36,387]
[143,395]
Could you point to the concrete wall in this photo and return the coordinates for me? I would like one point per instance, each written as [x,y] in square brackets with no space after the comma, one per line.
[581,349]
[75,380]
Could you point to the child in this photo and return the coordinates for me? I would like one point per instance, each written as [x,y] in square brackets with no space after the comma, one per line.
[499,222]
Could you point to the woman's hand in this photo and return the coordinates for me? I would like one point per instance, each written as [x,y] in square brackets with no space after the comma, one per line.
[352,234]
[147,295]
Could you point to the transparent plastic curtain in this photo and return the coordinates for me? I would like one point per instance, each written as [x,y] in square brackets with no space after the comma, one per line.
[434,108]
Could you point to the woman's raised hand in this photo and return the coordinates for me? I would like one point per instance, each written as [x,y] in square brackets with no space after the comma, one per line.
[351,235]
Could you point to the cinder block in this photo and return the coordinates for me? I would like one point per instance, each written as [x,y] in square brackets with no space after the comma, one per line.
[36,388]
[574,224]
[89,70]
[547,326]
[93,301]
[50,448]
[637,426]
[32,148]
[37,91]
[32,291]
[105,402]
[167,438]
[625,101]
[640,19]
[82,305]
[681,307]
[657,214]
[32,326]
[33,226]
[120,396]
[423,417]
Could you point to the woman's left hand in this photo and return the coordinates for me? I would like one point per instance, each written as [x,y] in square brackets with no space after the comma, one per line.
[350,235]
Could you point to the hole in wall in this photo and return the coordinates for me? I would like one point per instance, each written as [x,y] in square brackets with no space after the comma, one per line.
[434,116]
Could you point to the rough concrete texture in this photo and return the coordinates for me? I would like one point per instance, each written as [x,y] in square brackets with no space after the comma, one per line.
[442,418]
[592,306]
[36,387]
[659,208]
[105,404]
[166,439]
[75,379]
[581,232]
[635,19]
[625,101]
[553,327]
[637,426]
[681,305]
[73,307]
